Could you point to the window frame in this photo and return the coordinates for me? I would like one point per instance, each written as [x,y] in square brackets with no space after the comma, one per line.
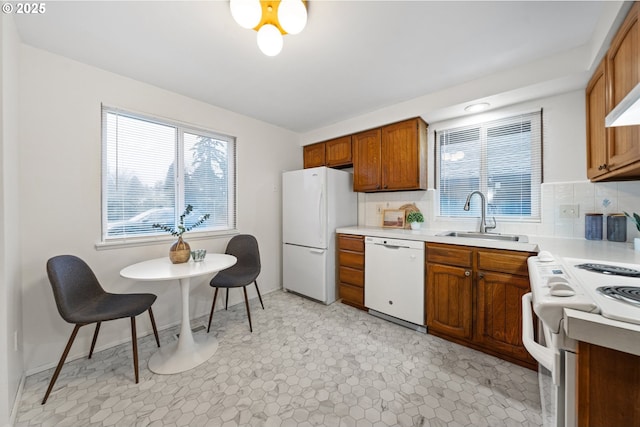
[483,123]
[106,242]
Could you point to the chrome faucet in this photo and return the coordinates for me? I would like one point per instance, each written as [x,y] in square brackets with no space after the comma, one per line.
[483,220]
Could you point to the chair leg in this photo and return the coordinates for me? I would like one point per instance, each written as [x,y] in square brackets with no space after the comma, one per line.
[61,362]
[134,341]
[95,338]
[153,325]
[215,295]
[246,302]
[226,302]
[255,282]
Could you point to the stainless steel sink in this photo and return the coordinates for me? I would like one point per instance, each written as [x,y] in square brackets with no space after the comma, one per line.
[487,236]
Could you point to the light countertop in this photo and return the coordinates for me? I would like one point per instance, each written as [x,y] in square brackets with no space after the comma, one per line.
[561,247]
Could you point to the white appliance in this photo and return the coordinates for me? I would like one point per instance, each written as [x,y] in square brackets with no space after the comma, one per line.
[315,202]
[609,289]
[394,274]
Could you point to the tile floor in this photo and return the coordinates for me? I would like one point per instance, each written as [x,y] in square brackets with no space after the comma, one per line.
[305,364]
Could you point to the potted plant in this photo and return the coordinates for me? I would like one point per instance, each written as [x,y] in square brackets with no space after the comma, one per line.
[180,250]
[635,219]
[415,218]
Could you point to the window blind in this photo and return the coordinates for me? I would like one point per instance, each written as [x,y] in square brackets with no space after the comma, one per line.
[501,158]
[152,169]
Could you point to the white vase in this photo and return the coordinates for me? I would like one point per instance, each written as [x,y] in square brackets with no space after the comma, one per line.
[636,244]
[415,225]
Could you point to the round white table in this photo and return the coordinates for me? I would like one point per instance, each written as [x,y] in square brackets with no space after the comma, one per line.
[188,352]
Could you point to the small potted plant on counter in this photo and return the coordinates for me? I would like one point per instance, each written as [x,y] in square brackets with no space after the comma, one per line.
[415,218]
[635,219]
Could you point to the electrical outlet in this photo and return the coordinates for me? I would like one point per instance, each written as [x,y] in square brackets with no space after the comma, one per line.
[569,211]
[379,208]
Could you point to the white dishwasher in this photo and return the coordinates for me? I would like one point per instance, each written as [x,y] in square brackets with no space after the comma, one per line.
[394,278]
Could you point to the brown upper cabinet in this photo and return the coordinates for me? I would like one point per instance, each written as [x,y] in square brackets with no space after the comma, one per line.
[334,153]
[338,152]
[614,153]
[314,155]
[391,158]
[596,132]
[366,161]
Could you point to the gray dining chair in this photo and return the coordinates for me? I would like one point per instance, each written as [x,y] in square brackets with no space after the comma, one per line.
[81,300]
[243,273]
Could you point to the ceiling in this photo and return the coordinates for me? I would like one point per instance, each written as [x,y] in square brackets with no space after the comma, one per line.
[353,58]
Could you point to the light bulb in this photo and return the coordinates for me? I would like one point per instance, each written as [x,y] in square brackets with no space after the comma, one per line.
[292,15]
[247,13]
[269,40]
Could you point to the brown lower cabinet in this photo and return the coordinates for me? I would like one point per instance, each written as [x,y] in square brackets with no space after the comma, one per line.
[608,387]
[473,297]
[351,269]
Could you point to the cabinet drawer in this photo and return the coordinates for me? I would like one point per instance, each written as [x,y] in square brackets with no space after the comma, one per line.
[351,294]
[351,243]
[451,255]
[351,276]
[504,262]
[351,259]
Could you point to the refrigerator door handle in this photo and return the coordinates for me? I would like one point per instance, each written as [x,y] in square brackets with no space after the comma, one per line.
[320,216]
[316,251]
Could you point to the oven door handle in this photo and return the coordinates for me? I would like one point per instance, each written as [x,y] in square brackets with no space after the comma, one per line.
[546,356]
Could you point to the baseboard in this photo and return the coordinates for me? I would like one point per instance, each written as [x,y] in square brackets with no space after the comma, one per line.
[16,402]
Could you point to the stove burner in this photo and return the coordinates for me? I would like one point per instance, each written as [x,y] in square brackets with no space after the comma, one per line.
[628,294]
[613,270]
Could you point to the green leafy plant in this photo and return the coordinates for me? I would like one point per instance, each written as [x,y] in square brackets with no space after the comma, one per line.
[415,217]
[635,219]
[181,229]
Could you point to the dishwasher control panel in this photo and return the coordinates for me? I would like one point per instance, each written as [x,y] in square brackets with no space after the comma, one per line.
[399,243]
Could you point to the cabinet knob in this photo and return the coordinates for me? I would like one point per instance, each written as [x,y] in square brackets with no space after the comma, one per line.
[467,273]
[480,275]
[601,167]
[386,186]
[378,186]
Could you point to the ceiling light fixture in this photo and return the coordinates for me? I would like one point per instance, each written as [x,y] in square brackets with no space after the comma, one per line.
[474,108]
[271,19]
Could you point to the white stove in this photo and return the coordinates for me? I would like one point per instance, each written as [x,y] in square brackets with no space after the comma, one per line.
[614,287]
[610,289]
[606,288]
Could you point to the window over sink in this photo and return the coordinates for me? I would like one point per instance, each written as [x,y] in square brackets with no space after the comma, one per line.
[153,168]
[501,158]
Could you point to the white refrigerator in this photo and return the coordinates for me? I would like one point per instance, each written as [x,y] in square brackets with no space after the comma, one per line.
[315,202]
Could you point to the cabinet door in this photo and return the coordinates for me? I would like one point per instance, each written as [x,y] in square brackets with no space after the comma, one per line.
[499,313]
[366,161]
[314,155]
[623,73]
[338,152]
[449,300]
[596,131]
[607,385]
[404,156]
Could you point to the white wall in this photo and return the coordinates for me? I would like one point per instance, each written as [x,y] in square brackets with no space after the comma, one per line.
[564,168]
[11,367]
[60,161]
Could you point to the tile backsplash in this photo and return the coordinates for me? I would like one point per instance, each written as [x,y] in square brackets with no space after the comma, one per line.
[588,197]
